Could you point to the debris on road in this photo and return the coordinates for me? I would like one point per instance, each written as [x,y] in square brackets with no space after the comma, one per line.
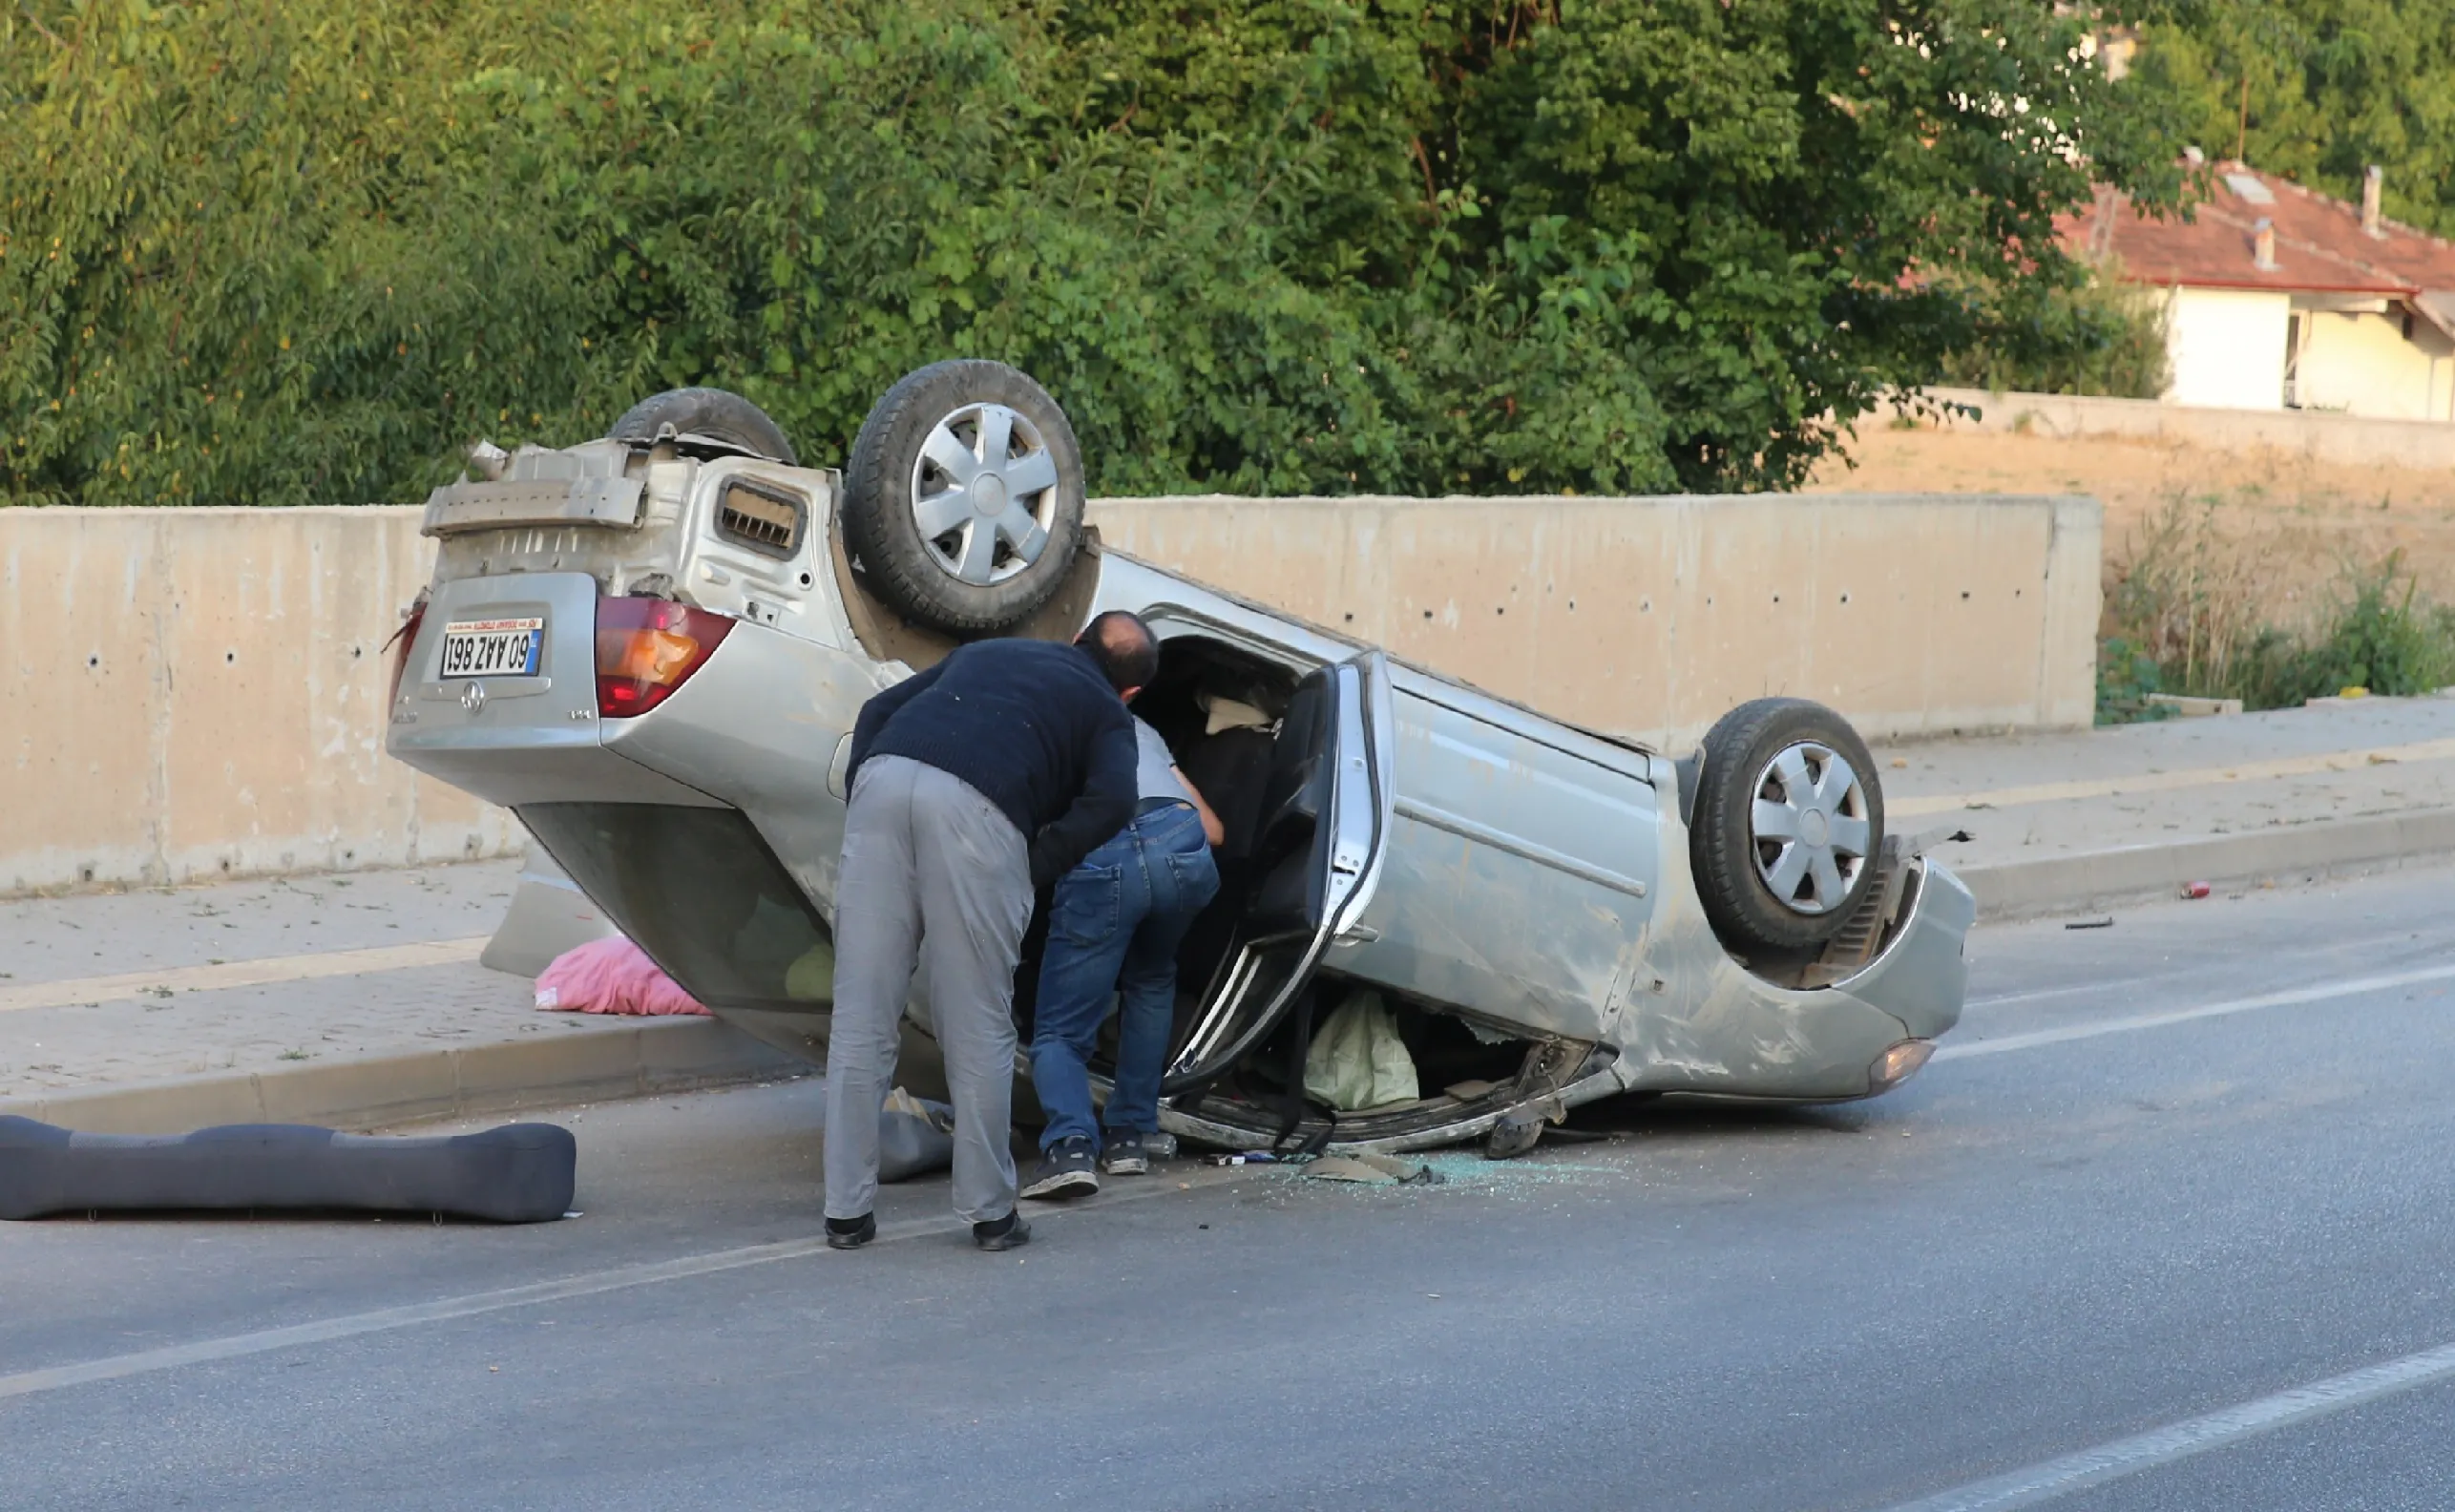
[915,1136]
[2106,922]
[2195,890]
[1373,1170]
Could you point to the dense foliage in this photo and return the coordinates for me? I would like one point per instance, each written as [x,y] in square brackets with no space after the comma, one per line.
[2318,91]
[301,252]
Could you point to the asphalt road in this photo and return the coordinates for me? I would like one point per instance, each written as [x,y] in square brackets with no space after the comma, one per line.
[2099,1256]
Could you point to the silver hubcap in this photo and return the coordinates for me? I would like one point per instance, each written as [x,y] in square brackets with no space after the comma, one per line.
[984,493]
[1809,828]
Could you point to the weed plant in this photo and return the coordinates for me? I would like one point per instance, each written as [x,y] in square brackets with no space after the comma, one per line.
[2192,611]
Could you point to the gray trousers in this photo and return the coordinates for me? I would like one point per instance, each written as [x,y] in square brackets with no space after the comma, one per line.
[929,866]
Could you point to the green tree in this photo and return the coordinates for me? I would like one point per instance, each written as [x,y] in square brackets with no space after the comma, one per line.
[2318,91]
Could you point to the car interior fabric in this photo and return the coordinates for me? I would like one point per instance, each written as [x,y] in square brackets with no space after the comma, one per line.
[1358,1062]
[1224,713]
[518,1173]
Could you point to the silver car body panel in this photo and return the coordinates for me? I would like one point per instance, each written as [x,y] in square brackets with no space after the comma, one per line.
[527,740]
[1494,863]
[768,711]
[1699,1021]
[1520,867]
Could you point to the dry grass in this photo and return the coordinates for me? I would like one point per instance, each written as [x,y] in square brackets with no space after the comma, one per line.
[2194,595]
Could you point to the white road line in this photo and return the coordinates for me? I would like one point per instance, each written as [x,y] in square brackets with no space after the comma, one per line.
[2359,947]
[2158,1446]
[259,973]
[2160,781]
[2351,988]
[384,1320]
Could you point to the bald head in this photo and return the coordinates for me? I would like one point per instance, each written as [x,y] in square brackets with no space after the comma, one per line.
[1128,654]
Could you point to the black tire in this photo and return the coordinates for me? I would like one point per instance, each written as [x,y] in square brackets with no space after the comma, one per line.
[708,415]
[1737,868]
[951,580]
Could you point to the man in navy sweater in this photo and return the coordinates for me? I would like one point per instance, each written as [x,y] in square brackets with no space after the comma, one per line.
[987,776]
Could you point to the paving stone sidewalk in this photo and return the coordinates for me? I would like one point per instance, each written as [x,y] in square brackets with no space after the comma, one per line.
[163,1031]
[2176,780]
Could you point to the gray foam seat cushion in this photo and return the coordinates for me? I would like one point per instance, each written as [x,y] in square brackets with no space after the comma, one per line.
[518,1173]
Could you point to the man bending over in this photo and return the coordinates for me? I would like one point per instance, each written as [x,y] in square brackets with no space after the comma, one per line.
[973,783]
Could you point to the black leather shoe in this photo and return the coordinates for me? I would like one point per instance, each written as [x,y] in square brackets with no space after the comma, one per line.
[1013,1232]
[852,1233]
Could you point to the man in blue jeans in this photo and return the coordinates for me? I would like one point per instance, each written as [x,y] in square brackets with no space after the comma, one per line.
[1114,926]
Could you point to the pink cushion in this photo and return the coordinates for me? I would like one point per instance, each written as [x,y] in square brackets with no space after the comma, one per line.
[611,977]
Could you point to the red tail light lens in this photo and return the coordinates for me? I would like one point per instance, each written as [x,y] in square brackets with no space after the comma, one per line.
[646,649]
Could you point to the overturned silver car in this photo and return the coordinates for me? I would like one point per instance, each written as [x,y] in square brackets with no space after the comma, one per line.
[652,648]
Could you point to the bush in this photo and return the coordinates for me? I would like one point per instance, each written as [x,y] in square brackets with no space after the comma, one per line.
[2097,337]
[2187,614]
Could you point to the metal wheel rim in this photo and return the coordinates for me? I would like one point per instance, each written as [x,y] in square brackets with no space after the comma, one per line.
[1808,825]
[984,494]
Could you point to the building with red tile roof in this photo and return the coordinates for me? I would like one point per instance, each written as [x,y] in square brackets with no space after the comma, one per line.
[2279,298]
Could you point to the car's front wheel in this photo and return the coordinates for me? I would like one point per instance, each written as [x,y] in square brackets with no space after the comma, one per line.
[1787,825]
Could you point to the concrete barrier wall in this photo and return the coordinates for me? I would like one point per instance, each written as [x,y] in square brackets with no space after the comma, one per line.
[2315,433]
[198,693]
[191,693]
[1648,617]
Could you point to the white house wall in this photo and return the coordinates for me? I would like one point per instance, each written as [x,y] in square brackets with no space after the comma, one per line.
[2227,348]
[2362,365]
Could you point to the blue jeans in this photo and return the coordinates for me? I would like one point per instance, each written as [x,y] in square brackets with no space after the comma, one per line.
[1114,925]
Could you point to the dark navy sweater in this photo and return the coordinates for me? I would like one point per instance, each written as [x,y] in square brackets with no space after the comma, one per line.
[1033,726]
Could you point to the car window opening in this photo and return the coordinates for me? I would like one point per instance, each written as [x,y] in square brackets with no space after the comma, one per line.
[1257,777]
[1464,1074]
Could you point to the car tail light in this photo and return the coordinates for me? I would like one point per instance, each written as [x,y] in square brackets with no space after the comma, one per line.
[646,647]
[399,645]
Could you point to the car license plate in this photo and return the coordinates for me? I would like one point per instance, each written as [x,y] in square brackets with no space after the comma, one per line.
[492,647]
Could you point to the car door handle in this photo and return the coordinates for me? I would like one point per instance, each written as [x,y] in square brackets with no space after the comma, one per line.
[836,767]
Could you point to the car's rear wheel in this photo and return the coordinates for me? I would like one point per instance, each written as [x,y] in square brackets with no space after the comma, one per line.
[708,416]
[1787,825]
[963,499]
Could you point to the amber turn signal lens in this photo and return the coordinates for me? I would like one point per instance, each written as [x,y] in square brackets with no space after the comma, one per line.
[1898,1065]
[645,655]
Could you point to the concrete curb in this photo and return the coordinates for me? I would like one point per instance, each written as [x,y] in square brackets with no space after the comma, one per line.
[664,1056]
[2025,888]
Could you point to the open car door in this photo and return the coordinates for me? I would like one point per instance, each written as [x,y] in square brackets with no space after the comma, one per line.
[1324,828]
